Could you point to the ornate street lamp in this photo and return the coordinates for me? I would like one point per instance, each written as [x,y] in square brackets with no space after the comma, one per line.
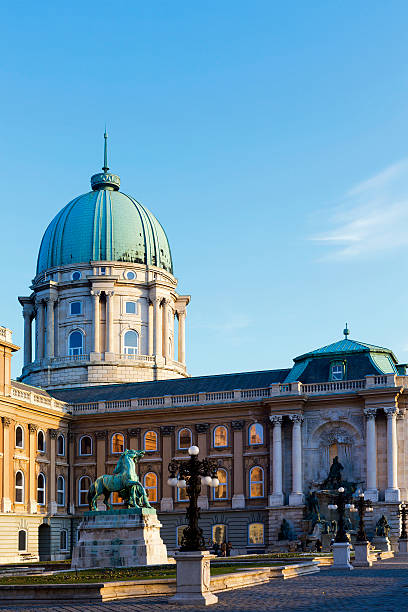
[191,474]
[343,503]
[362,506]
[403,512]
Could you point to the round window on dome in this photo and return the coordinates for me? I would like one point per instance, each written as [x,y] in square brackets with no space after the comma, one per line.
[130,275]
[76,275]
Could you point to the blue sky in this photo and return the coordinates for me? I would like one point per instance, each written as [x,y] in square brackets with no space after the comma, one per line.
[270,140]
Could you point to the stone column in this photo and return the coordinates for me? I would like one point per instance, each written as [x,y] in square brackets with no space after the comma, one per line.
[157,349]
[96,328]
[238,497]
[392,492]
[149,328]
[181,336]
[371,491]
[166,328]
[296,498]
[6,496]
[50,326]
[52,501]
[166,433]
[40,329]
[109,321]
[276,498]
[32,479]
[28,315]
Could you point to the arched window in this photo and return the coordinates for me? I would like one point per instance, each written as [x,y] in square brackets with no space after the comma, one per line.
[60,445]
[221,492]
[150,484]
[76,343]
[22,540]
[19,437]
[131,342]
[85,445]
[19,487]
[219,534]
[117,443]
[220,434]
[83,487]
[61,491]
[150,441]
[256,482]
[41,489]
[256,434]
[184,438]
[255,533]
[63,540]
[180,533]
[41,442]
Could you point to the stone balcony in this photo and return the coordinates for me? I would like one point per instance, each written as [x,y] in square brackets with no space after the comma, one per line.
[244,395]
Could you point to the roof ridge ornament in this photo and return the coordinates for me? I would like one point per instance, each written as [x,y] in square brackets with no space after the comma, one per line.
[346,332]
[105,180]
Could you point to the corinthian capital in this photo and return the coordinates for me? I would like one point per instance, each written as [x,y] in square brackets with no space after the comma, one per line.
[296,418]
[276,419]
[391,411]
[370,413]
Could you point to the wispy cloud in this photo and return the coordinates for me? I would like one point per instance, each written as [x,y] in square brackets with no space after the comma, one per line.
[373,216]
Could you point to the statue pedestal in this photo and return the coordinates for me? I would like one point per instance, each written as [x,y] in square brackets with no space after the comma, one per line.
[119,538]
[362,554]
[381,543]
[402,547]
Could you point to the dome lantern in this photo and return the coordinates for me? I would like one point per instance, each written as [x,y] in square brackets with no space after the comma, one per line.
[105,179]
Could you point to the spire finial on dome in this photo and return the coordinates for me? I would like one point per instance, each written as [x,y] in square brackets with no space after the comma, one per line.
[105,167]
[346,331]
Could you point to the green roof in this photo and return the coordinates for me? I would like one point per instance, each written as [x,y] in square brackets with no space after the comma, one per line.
[345,346]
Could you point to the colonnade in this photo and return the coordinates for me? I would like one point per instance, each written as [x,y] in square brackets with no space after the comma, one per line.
[158,327]
[392,492]
[296,497]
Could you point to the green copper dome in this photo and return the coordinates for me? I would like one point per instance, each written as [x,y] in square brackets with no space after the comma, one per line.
[104,225]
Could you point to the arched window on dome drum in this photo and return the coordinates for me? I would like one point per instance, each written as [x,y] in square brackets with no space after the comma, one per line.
[41,489]
[256,482]
[184,439]
[150,441]
[150,484]
[83,487]
[76,343]
[256,434]
[220,436]
[221,492]
[131,343]
[118,443]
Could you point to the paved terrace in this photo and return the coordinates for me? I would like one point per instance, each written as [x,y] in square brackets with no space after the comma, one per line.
[384,587]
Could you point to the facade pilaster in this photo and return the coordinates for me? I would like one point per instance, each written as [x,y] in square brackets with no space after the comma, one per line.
[276,497]
[71,480]
[96,321]
[6,493]
[392,492]
[238,497]
[296,498]
[109,321]
[157,348]
[165,347]
[32,480]
[133,437]
[52,500]
[28,316]
[166,434]
[50,326]
[371,491]
[181,336]
[40,325]
[149,328]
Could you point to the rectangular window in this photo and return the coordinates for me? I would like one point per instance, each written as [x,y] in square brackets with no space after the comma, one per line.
[103,271]
[337,371]
[130,307]
[76,308]
[63,539]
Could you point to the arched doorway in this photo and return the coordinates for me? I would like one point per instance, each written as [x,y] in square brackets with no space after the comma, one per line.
[44,542]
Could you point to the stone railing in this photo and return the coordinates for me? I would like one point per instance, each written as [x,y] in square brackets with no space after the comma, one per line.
[39,400]
[6,334]
[245,395]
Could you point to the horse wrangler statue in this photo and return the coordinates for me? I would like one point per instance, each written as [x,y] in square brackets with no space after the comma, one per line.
[124,481]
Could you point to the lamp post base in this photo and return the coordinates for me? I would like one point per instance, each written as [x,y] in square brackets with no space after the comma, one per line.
[193,579]
[403,547]
[362,554]
[341,555]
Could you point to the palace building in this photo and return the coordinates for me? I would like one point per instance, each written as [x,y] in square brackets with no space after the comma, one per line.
[105,369]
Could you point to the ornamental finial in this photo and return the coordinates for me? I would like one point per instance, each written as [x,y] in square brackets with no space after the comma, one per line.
[346,331]
[105,167]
